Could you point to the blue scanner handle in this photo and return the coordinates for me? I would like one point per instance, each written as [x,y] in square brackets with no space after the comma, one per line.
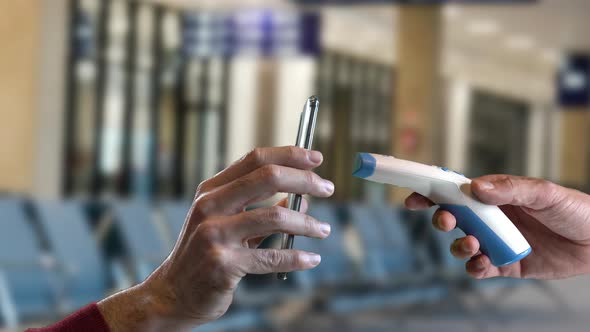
[491,244]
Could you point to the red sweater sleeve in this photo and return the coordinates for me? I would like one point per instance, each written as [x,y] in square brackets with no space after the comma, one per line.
[88,319]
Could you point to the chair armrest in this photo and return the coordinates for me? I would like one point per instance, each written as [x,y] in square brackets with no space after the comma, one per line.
[120,275]
[8,310]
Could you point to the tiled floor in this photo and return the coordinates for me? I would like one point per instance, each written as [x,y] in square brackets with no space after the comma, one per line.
[528,309]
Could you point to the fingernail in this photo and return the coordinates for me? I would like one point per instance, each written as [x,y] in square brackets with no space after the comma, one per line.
[465,246]
[455,245]
[325,229]
[438,222]
[408,203]
[328,186]
[484,185]
[479,265]
[313,259]
[315,157]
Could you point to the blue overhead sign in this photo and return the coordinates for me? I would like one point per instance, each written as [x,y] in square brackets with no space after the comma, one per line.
[257,32]
[574,81]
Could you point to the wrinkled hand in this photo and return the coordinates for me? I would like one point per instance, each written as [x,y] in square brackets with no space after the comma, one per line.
[555,221]
[218,244]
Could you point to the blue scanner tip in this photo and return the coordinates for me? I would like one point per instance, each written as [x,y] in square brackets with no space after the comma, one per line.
[365,165]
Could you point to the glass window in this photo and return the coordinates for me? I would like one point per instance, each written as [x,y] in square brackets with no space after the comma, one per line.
[498,135]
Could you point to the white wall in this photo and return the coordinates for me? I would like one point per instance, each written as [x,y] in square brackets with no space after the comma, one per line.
[459,100]
[537,139]
[241,112]
[295,83]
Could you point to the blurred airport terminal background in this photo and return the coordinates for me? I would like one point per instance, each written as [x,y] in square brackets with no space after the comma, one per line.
[113,111]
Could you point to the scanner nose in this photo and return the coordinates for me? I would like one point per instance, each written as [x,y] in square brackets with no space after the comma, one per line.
[364,165]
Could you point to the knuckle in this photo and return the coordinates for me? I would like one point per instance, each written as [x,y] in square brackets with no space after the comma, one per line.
[277,215]
[509,181]
[256,156]
[293,152]
[218,256]
[549,193]
[203,205]
[202,187]
[274,258]
[209,233]
[271,173]
[310,178]
[511,185]
[546,185]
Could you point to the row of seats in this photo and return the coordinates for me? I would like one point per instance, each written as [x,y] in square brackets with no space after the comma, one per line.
[49,264]
[387,270]
[55,258]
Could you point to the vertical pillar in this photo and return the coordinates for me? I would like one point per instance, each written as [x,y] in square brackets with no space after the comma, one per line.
[49,177]
[574,146]
[574,119]
[415,117]
[19,63]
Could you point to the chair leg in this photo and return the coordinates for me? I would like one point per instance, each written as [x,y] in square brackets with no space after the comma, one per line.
[490,307]
[479,324]
[558,300]
[8,311]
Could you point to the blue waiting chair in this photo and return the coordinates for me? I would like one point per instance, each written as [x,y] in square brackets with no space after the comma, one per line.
[29,288]
[336,271]
[389,264]
[144,243]
[366,224]
[402,258]
[75,249]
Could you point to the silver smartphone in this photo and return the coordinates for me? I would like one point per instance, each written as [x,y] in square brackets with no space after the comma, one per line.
[304,140]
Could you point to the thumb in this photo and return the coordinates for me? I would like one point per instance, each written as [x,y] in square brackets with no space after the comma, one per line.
[527,192]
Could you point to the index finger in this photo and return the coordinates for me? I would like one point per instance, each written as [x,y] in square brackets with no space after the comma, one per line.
[418,202]
[516,190]
[290,156]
